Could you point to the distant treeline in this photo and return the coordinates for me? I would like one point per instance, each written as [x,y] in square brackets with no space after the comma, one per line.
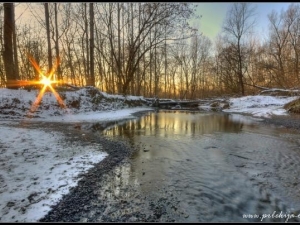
[149,48]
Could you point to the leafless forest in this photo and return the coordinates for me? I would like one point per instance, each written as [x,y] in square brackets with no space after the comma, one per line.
[149,49]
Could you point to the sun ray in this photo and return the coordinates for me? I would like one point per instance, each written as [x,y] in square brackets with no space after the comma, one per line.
[37,101]
[58,98]
[21,83]
[53,69]
[34,63]
[45,80]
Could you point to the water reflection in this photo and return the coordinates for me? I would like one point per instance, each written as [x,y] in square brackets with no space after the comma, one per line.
[214,166]
[168,123]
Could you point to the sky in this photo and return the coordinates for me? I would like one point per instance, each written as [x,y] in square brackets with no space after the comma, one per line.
[213,15]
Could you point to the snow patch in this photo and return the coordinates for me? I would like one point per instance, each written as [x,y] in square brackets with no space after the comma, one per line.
[259,106]
[37,169]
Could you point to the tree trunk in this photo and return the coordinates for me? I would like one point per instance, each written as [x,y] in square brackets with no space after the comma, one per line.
[119,61]
[155,64]
[92,61]
[16,64]
[87,65]
[48,36]
[165,53]
[59,76]
[8,57]
[240,70]
[138,91]
[150,67]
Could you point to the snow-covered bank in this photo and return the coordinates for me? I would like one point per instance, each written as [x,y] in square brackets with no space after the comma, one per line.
[110,115]
[259,106]
[18,103]
[90,104]
[38,167]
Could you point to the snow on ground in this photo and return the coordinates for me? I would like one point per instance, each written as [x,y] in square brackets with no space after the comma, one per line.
[110,115]
[17,103]
[37,167]
[259,106]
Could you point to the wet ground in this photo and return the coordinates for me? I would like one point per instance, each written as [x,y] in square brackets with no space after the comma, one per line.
[188,167]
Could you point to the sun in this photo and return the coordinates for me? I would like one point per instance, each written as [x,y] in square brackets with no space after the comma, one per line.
[45,81]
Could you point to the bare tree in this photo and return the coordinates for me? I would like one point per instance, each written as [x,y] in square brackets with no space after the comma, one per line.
[141,35]
[237,24]
[279,33]
[292,21]
[92,73]
[8,55]
[56,41]
[2,70]
[47,19]
[16,62]
[130,42]
[86,36]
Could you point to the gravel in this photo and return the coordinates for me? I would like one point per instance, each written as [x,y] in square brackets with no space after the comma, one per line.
[291,121]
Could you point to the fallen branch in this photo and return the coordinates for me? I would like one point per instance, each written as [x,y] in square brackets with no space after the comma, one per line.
[259,87]
[72,86]
[275,90]
[280,90]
